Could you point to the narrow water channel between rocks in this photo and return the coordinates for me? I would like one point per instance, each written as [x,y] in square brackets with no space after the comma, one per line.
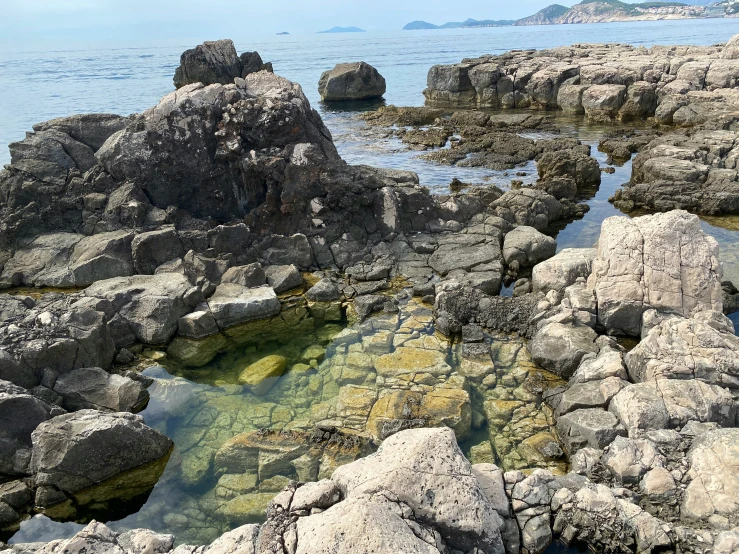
[236,446]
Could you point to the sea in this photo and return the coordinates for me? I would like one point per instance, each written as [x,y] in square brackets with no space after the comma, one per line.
[40,84]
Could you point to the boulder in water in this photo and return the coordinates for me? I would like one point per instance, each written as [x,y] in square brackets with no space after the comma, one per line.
[351,81]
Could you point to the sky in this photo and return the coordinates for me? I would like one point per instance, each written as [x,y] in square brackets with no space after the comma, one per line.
[29,21]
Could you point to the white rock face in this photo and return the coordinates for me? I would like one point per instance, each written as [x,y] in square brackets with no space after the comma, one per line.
[425,470]
[663,261]
[714,470]
[703,347]
[562,270]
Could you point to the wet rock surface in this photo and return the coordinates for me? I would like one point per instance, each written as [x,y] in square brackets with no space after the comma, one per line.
[351,81]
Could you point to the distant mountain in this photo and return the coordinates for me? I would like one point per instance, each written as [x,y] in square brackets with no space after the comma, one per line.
[602,11]
[344,30]
[468,24]
[546,16]
[283,33]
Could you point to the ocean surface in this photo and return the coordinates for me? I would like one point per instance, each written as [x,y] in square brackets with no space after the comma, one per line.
[40,85]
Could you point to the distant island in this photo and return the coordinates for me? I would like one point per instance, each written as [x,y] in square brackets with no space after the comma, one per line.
[600,11]
[343,30]
[468,24]
[283,33]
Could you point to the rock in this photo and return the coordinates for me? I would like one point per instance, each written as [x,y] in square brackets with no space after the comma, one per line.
[703,347]
[531,207]
[261,376]
[630,459]
[208,63]
[561,271]
[713,475]
[144,540]
[21,414]
[560,348]
[76,453]
[234,304]
[241,540]
[408,360]
[593,428]
[198,324]
[668,403]
[283,277]
[602,102]
[527,246]
[351,81]
[569,98]
[633,271]
[641,102]
[150,250]
[91,130]
[322,494]
[607,364]
[324,290]
[95,388]
[251,62]
[731,49]
[593,394]
[146,308]
[411,463]
[571,165]
[251,275]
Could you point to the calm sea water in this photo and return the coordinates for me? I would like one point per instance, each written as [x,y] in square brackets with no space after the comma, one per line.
[39,85]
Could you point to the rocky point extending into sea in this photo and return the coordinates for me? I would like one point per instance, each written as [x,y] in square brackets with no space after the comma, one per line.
[224,214]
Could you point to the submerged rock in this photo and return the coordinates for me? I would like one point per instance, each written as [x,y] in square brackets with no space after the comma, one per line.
[260,376]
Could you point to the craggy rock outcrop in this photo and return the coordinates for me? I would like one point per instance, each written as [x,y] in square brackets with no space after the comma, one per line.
[677,84]
[216,62]
[694,170]
[664,261]
[351,81]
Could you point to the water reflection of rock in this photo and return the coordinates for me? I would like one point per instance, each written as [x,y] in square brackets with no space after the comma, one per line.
[357,385]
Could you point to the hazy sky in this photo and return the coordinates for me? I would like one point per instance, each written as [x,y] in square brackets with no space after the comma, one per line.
[26,21]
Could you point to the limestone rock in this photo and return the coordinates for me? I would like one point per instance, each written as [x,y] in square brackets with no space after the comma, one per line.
[95,388]
[561,271]
[261,376]
[208,63]
[527,246]
[234,304]
[560,348]
[662,261]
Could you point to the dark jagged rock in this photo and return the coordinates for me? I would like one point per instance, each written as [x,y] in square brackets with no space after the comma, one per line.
[216,62]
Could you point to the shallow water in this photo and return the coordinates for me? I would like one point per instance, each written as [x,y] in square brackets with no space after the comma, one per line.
[359,377]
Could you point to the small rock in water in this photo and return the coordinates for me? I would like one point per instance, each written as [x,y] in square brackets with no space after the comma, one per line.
[261,376]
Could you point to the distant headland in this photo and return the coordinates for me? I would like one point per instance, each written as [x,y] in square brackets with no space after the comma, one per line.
[343,30]
[283,33]
[600,11]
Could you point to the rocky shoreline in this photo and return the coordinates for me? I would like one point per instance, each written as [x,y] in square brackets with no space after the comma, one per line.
[224,214]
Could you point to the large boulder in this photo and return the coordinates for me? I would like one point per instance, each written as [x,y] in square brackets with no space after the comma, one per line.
[662,261]
[75,452]
[233,304]
[191,151]
[351,81]
[411,463]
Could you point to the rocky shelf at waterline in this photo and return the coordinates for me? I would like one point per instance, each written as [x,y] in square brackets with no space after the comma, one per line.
[198,242]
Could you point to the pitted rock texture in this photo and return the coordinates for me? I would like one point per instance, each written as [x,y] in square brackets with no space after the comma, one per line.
[665,262]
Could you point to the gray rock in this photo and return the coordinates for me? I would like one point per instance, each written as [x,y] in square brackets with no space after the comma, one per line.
[95,388]
[75,451]
[630,459]
[593,428]
[351,81]
[527,246]
[669,403]
[146,308]
[89,129]
[411,463]
[198,324]
[561,271]
[593,394]
[152,249]
[234,304]
[560,348]
[20,414]
[209,63]
[283,278]
[602,102]
[144,540]
[324,290]
[251,275]
[642,264]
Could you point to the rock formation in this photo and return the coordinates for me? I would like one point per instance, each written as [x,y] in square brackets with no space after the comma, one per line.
[351,81]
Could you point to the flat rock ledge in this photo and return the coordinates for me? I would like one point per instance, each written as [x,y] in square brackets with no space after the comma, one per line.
[681,85]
